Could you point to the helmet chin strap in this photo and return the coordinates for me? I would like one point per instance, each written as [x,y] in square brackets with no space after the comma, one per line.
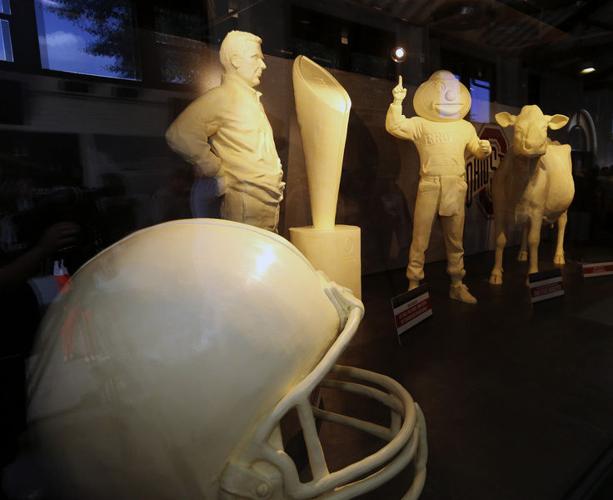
[263,470]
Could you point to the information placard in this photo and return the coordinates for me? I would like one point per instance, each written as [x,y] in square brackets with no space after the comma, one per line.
[545,285]
[595,269]
[411,308]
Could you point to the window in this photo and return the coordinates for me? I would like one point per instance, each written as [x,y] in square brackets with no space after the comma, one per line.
[6,45]
[179,29]
[91,38]
[342,44]
[480,95]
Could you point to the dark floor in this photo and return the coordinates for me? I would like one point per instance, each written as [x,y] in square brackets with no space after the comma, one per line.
[518,399]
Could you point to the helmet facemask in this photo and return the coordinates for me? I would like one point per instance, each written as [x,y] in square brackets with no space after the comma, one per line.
[264,470]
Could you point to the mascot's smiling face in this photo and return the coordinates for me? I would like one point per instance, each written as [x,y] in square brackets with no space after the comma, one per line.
[442,98]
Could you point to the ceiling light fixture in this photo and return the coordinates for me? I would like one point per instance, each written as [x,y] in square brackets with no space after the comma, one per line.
[587,70]
[399,54]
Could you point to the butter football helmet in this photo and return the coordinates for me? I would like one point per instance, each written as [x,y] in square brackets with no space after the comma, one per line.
[164,370]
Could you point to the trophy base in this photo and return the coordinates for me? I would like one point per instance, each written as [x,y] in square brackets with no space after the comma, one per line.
[336,252]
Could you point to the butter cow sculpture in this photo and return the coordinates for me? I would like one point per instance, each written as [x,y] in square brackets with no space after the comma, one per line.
[165,369]
[533,184]
[225,133]
[441,137]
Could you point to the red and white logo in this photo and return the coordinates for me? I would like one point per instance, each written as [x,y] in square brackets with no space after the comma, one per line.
[479,172]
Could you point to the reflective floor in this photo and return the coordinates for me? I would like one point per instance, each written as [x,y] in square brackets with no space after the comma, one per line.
[518,398]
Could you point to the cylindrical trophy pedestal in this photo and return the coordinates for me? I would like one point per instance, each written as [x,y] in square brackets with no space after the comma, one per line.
[336,252]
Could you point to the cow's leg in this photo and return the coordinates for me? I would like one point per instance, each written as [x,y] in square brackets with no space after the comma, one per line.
[558,258]
[522,256]
[534,238]
[501,241]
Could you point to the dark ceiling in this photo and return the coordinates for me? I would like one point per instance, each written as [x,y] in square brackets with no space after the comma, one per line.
[561,36]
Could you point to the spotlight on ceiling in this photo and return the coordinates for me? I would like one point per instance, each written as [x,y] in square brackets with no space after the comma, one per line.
[399,54]
[587,70]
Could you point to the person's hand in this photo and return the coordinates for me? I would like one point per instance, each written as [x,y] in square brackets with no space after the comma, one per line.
[485,147]
[58,236]
[399,92]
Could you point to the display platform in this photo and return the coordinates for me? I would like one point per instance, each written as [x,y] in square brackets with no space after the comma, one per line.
[518,398]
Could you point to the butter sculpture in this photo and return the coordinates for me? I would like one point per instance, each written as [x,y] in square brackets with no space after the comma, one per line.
[165,369]
[225,134]
[322,108]
[533,184]
[441,137]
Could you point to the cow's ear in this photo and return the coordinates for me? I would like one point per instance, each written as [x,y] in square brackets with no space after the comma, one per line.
[505,119]
[557,121]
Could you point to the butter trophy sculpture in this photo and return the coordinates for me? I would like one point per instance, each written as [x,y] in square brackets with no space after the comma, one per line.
[322,108]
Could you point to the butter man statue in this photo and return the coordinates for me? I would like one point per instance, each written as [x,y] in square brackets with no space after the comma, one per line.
[225,134]
[441,137]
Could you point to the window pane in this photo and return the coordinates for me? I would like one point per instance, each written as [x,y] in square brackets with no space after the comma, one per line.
[180,58]
[178,33]
[6,47]
[5,7]
[92,38]
[480,94]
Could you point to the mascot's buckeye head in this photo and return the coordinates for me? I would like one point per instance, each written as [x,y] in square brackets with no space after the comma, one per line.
[442,98]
